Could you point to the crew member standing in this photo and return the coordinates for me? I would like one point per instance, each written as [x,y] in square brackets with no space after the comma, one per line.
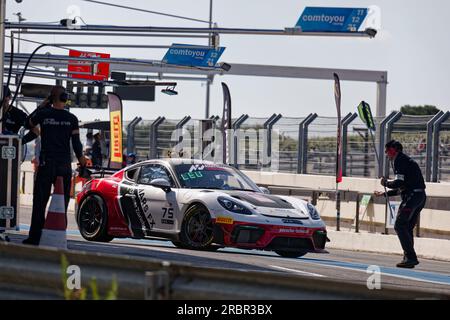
[409,183]
[12,118]
[97,157]
[57,128]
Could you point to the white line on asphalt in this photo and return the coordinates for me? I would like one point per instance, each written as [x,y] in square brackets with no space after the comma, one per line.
[299,271]
[382,273]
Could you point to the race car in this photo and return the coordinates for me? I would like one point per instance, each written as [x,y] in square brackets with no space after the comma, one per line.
[197,205]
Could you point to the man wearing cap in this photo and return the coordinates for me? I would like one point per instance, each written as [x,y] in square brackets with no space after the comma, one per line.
[409,183]
[58,127]
[12,118]
[131,158]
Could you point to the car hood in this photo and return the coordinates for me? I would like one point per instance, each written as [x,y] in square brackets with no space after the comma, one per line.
[265,204]
[271,205]
[260,199]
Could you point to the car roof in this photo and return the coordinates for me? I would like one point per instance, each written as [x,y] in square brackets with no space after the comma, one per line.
[178,161]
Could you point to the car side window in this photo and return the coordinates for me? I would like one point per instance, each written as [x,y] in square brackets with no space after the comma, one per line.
[154,171]
[131,174]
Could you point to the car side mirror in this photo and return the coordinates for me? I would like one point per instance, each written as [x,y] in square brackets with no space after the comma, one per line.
[161,183]
[264,190]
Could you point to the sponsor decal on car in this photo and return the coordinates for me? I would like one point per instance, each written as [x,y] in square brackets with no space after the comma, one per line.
[191,175]
[167,215]
[224,220]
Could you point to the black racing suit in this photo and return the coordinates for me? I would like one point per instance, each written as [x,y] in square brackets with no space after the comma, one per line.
[409,183]
[57,128]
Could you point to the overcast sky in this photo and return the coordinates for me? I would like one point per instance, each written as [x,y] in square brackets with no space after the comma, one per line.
[413,47]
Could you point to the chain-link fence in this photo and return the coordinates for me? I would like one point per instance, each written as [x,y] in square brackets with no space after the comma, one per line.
[165,138]
[142,139]
[287,154]
[361,160]
[250,144]
[412,132]
[443,165]
[321,146]
[302,145]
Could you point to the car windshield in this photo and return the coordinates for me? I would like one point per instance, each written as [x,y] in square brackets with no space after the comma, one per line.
[206,176]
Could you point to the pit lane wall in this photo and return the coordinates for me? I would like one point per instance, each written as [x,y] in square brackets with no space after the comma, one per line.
[435,218]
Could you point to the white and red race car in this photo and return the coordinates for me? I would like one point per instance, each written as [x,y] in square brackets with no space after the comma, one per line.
[198,205]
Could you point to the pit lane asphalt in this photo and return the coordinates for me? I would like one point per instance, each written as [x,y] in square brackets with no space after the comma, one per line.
[347,266]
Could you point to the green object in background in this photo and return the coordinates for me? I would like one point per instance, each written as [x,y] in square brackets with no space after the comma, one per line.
[365,200]
[191,175]
[364,204]
[366,115]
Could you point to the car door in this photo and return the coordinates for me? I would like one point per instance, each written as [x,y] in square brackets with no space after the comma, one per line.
[161,207]
[132,209]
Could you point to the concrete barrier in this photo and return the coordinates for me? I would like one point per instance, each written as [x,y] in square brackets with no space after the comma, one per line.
[433,221]
[36,273]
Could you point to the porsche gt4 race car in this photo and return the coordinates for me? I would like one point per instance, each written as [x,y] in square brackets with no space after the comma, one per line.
[198,205]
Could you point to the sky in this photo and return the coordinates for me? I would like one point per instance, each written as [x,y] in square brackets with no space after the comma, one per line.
[412,46]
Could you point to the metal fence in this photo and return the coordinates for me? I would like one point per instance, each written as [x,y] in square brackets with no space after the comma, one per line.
[304,145]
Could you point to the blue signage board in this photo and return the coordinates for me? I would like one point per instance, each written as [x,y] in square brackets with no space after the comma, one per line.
[320,19]
[192,55]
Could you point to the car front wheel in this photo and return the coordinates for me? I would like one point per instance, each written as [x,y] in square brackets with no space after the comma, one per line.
[197,229]
[291,254]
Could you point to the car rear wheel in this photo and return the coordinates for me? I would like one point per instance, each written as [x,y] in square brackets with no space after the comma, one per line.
[93,219]
[196,229]
[291,254]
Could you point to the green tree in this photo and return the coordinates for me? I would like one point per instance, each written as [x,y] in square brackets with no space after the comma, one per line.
[419,110]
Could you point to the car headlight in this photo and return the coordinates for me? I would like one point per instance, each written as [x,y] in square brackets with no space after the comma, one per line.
[313,212]
[232,206]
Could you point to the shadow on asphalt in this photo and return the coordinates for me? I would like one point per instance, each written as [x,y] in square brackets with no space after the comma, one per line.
[149,253]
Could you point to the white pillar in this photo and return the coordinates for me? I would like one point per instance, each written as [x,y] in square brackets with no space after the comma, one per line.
[381,99]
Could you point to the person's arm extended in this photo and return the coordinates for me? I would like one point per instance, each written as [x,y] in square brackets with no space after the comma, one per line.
[398,182]
[31,135]
[393,193]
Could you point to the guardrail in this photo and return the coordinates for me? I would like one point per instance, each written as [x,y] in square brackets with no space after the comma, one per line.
[29,272]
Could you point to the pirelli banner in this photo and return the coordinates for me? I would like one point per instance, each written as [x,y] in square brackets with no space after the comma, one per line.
[115,119]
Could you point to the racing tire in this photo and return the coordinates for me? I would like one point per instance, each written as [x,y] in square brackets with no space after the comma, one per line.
[197,229]
[93,219]
[291,254]
[211,247]
[178,244]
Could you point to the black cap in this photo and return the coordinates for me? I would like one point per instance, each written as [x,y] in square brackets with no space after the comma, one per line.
[394,144]
[6,91]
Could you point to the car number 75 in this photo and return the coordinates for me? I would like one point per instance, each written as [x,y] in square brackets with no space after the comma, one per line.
[169,212]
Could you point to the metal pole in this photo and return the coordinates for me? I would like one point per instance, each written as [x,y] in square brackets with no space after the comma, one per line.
[338,208]
[388,204]
[208,87]
[357,213]
[149,29]
[381,98]
[2,51]
[113,34]
[210,41]
[429,146]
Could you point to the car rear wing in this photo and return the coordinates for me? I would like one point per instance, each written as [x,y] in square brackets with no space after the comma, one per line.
[96,172]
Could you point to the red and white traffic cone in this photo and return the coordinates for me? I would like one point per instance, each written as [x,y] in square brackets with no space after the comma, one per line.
[54,232]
